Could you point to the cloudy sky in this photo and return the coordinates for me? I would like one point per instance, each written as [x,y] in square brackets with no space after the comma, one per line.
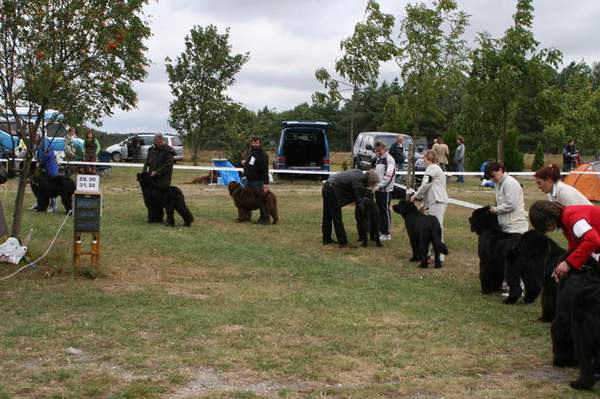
[289,39]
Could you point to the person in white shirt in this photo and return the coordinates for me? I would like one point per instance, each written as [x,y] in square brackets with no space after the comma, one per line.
[384,166]
[547,179]
[433,190]
[510,204]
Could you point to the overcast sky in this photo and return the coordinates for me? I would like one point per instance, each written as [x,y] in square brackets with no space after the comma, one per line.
[289,39]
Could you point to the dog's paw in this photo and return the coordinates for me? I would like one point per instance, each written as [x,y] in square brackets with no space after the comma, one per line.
[582,384]
[510,300]
[379,244]
[414,259]
[423,265]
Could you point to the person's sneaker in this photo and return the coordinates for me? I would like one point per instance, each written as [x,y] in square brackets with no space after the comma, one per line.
[33,208]
[385,237]
[330,241]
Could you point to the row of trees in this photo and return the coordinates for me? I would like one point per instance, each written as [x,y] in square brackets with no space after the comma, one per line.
[505,94]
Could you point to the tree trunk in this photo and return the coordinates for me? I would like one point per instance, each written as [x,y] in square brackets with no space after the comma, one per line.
[19,200]
[352,110]
[503,136]
[3,226]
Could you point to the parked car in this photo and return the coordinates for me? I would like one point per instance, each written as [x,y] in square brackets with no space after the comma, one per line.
[120,151]
[303,145]
[362,152]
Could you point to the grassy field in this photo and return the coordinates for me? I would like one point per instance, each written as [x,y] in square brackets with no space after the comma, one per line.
[226,310]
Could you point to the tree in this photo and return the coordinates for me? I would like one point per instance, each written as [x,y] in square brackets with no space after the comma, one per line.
[358,68]
[432,55]
[503,75]
[538,159]
[198,79]
[82,63]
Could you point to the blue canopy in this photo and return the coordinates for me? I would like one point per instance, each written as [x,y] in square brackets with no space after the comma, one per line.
[226,176]
[8,141]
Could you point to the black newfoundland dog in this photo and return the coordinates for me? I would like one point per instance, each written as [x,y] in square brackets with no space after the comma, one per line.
[422,230]
[367,219]
[536,256]
[45,188]
[163,199]
[493,249]
[576,327]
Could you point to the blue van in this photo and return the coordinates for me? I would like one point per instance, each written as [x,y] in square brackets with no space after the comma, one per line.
[303,145]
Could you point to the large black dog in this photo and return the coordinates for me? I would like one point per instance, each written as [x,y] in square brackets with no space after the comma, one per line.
[163,199]
[538,255]
[422,230]
[45,188]
[493,249]
[367,219]
[576,327]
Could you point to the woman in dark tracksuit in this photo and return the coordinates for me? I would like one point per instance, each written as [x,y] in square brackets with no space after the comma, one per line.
[338,191]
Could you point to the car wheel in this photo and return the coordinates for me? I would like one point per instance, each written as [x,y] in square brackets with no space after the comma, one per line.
[117,157]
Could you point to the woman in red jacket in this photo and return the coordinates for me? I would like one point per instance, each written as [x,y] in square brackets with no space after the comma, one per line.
[580,225]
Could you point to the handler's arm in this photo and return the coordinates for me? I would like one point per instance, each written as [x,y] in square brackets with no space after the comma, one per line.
[510,195]
[425,186]
[590,243]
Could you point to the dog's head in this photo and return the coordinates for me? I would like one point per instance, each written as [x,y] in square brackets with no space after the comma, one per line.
[144,179]
[483,220]
[233,186]
[405,207]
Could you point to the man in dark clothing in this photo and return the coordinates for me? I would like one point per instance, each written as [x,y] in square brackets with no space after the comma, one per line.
[397,152]
[569,156]
[159,163]
[256,170]
[133,148]
[338,191]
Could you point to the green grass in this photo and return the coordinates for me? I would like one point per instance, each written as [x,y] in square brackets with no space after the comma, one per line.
[226,310]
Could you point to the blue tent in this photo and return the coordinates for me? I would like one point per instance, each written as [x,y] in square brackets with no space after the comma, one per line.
[226,176]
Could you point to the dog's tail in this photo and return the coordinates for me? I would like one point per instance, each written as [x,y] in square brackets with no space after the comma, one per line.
[275,210]
[183,210]
[438,244]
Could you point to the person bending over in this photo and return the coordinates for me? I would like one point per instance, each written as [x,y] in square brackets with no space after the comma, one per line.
[580,224]
[547,179]
[338,191]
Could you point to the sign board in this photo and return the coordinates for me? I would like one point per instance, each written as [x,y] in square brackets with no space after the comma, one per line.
[87,210]
[88,183]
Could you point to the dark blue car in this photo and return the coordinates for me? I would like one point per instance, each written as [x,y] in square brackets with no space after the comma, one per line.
[303,145]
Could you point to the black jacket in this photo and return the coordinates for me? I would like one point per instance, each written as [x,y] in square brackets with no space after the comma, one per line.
[397,152]
[259,168]
[160,160]
[349,186]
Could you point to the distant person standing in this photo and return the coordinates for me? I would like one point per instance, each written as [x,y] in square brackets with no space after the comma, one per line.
[442,152]
[397,152]
[256,170]
[70,150]
[459,158]
[160,161]
[384,166]
[91,151]
[569,156]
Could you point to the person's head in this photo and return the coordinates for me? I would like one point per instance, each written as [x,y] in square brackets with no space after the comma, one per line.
[159,139]
[90,134]
[70,132]
[545,216]
[496,170]
[430,157]
[440,140]
[379,149]
[546,177]
[399,139]
[571,141]
[255,143]
[460,140]
[372,179]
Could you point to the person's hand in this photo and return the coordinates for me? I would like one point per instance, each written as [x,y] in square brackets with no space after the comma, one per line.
[153,173]
[413,198]
[265,188]
[561,270]
[243,162]
[493,210]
